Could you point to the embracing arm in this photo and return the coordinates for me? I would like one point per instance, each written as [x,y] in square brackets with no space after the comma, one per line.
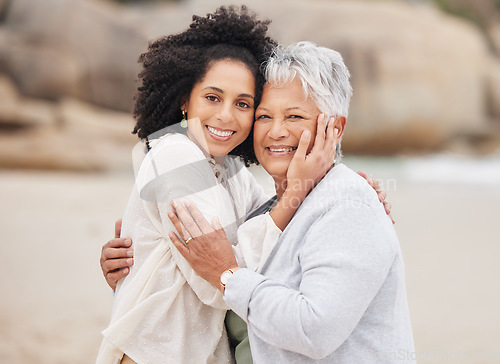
[116,257]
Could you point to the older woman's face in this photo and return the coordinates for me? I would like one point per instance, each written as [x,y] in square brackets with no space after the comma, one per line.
[283,114]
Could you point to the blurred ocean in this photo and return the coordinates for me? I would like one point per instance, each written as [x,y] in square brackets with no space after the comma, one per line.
[442,168]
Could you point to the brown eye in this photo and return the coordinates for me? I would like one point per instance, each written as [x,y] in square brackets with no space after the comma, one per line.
[263,117]
[211,98]
[243,105]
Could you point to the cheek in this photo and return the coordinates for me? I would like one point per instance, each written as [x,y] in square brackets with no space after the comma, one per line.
[259,133]
[247,125]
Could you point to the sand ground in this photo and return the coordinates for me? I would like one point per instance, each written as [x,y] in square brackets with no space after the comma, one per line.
[55,303]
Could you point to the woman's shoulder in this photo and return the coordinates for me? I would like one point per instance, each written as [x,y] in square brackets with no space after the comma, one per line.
[175,144]
[172,152]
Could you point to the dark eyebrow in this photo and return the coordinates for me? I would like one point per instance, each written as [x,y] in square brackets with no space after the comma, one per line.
[216,89]
[213,88]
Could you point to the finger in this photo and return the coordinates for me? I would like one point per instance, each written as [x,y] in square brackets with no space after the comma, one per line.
[114,277]
[393,221]
[387,207]
[198,217]
[118,228]
[116,253]
[186,219]
[376,186]
[181,230]
[319,141]
[183,249]
[363,174]
[216,223]
[118,243]
[301,151]
[382,196]
[331,140]
[111,265]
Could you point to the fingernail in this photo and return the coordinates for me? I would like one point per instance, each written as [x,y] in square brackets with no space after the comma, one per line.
[306,133]
[170,214]
[130,253]
[125,270]
[130,261]
[128,241]
[175,203]
[187,203]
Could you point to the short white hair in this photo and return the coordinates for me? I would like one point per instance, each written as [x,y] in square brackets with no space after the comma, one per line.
[322,72]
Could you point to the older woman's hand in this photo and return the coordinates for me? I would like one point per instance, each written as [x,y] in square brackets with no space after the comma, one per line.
[307,169]
[206,246]
[382,196]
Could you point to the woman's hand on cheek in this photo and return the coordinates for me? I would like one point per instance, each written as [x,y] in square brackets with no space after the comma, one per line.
[207,248]
[307,169]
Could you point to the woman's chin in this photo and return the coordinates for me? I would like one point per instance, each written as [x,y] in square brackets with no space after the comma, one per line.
[278,172]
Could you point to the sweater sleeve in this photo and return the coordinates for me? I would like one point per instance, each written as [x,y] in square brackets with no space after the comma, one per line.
[344,260]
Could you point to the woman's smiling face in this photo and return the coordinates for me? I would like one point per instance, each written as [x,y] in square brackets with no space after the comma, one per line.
[221,106]
[283,114]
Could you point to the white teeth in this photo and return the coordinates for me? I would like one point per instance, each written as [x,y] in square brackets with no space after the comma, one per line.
[220,133]
[282,149]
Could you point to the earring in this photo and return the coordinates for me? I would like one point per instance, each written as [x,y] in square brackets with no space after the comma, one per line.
[184,122]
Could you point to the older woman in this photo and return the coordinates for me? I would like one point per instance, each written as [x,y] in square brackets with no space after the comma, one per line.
[333,288]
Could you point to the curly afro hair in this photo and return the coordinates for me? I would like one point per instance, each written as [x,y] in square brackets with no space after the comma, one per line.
[174,64]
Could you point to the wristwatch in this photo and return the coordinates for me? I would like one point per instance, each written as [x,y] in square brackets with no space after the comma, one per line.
[224,277]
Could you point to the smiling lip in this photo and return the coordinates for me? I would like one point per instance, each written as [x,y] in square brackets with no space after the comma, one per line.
[221,135]
[281,150]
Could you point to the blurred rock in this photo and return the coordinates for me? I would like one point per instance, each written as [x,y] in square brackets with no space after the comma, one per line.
[493,83]
[64,135]
[494,34]
[80,48]
[9,101]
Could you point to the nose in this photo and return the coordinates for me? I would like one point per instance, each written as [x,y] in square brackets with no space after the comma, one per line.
[225,113]
[278,130]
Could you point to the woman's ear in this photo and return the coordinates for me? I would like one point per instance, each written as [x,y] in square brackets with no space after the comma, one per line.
[339,124]
[184,103]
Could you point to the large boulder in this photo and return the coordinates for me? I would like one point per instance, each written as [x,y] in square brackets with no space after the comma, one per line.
[80,48]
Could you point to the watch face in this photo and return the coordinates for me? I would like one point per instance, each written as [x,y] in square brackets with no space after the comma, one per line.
[224,277]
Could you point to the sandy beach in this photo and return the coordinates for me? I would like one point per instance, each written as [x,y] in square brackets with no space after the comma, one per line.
[55,302]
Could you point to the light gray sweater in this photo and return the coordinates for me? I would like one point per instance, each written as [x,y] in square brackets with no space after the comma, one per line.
[333,289]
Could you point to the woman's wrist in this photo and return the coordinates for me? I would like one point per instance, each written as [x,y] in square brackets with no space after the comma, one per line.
[287,205]
[225,276]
